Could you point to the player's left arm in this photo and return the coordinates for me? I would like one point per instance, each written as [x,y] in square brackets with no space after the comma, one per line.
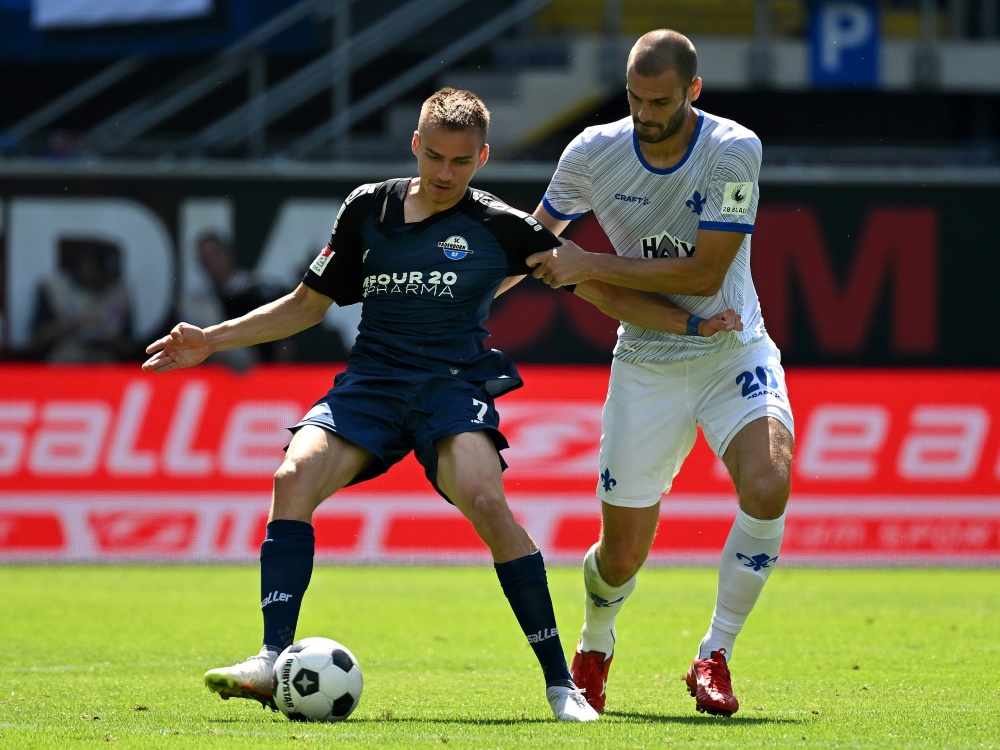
[640,308]
[699,275]
[507,283]
[653,312]
[520,235]
[554,225]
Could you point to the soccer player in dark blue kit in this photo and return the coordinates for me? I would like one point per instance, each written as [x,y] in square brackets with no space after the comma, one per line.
[425,256]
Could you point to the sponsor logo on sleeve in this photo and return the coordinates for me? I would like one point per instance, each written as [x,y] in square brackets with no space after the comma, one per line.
[322,260]
[736,198]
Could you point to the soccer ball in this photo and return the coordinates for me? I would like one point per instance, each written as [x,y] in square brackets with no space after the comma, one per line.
[317,679]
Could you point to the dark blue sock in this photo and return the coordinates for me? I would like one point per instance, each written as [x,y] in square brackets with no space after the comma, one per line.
[527,589]
[286,563]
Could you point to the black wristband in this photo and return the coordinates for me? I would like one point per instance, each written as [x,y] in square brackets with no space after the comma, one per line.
[692,326]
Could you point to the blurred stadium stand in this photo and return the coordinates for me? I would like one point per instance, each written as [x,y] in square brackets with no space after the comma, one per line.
[880,121]
[321,80]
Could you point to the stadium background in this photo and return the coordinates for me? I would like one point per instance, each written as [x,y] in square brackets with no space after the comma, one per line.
[142,124]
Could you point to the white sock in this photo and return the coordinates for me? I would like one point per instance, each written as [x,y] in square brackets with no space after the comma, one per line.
[603,602]
[747,560]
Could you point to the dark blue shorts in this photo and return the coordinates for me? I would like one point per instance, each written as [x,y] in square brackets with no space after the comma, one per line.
[390,415]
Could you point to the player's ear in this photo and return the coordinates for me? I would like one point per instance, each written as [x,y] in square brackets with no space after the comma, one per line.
[695,90]
[415,143]
[484,154]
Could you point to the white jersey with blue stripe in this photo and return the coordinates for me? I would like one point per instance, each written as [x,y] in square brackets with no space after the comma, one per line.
[652,213]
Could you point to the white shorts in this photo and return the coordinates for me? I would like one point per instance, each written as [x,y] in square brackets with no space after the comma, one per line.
[653,411]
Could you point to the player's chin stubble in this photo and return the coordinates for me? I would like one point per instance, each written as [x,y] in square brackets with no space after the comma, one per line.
[654,132]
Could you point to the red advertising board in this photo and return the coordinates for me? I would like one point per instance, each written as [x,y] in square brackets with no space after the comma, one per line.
[108,463]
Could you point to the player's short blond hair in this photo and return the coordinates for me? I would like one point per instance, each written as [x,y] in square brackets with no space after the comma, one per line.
[455,109]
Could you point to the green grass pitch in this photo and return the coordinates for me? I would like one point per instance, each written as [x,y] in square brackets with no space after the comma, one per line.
[114,656]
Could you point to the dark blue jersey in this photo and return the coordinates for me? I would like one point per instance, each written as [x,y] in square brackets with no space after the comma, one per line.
[425,288]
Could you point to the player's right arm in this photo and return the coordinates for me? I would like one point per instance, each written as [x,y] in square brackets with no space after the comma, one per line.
[556,226]
[652,311]
[188,345]
[643,309]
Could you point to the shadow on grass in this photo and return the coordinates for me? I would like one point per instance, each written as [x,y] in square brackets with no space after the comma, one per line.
[739,719]
[686,720]
[375,720]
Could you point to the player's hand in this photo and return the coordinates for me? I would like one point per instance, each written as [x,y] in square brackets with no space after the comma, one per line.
[561,266]
[729,320]
[185,346]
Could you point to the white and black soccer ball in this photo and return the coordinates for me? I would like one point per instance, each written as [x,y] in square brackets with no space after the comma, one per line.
[317,679]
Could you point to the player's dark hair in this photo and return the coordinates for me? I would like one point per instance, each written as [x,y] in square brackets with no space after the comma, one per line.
[455,109]
[663,50]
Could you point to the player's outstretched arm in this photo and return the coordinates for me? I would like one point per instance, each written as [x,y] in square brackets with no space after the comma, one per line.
[652,311]
[187,345]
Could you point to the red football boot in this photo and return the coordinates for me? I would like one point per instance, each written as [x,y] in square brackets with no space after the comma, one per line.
[590,673]
[709,682]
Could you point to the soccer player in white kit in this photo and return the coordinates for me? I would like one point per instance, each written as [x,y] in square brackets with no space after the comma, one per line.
[675,189]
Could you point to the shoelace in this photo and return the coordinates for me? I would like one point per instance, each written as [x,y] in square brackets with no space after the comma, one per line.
[719,680]
[576,695]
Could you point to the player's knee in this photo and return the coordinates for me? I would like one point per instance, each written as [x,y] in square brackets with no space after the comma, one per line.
[487,508]
[286,474]
[290,481]
[619,564]
[764,494]
[495,524]
[296,493]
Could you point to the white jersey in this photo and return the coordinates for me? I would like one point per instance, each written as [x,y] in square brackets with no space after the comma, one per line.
[652,213]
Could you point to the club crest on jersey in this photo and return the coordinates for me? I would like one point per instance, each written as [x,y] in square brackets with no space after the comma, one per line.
[697,203]
[455,247]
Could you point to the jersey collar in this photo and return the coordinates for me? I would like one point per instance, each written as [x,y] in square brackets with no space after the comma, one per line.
[393,219]
[687,154]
